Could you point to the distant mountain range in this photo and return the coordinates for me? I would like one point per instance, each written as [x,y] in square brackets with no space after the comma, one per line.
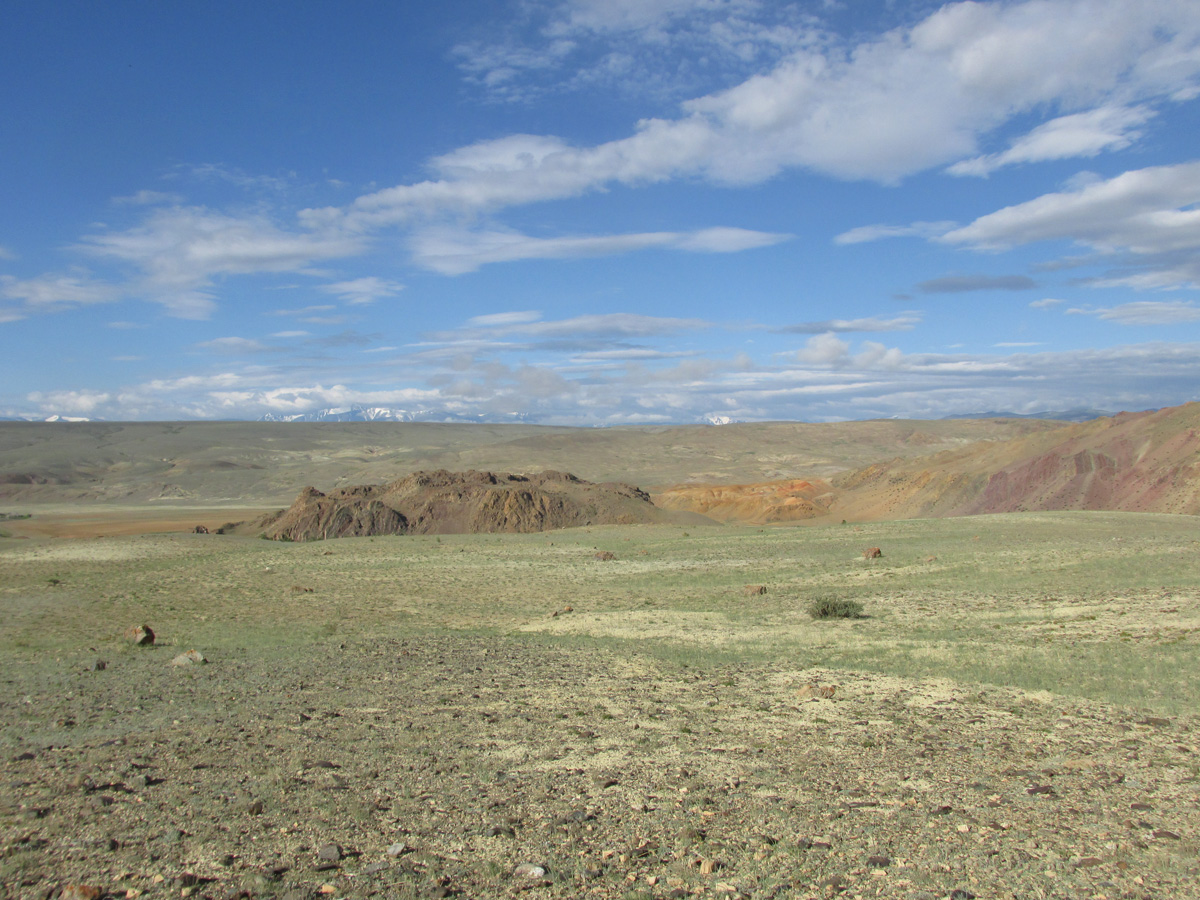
[390,414]
[376,414]
[1079,414]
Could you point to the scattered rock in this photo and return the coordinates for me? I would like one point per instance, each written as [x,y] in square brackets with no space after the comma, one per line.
[606,555]
[189,658]
[330,853]
[872,553]
[139,635]
[879,862]
[529,870]
[397,849]
[816,692]
[81,892]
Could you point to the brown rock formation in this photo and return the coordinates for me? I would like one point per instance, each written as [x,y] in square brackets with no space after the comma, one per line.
[444,502]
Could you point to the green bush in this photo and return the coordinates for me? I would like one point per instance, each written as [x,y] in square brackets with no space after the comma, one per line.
[835,608]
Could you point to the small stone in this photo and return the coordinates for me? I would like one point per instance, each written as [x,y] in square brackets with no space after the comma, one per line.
[879,862]
[139,635]
[189,658]
[708,866]
[397,849]
[330,853]
[80,892]
[606,555]
[529,870]
[1163,834]
[1088,861]
[256,807]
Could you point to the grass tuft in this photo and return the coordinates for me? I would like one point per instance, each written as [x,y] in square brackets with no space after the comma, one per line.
[835,608]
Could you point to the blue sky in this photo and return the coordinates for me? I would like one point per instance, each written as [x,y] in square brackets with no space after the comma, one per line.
[599,211]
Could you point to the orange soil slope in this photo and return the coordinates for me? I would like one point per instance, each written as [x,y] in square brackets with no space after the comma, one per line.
[769,502]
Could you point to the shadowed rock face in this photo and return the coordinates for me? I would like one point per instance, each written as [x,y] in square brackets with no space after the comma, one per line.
[443,502]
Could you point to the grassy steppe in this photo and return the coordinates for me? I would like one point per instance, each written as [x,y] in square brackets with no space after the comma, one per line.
[423,717]
[1093,605]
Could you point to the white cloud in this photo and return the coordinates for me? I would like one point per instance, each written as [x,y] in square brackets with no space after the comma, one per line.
[6,253]
[517,317]
[866,233]
[147,198]
[1046,303]
[884,108]
[1150,213]
[896,323]
[1077,135]
[180,251]
[631,46]
[361,291]
[1145,312]
[52,293]
[455,252]
[80,403]
[233,345]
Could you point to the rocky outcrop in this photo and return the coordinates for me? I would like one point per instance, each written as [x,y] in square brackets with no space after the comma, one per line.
[443,502]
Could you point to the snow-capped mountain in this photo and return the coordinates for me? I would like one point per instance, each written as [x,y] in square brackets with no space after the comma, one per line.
[381,414]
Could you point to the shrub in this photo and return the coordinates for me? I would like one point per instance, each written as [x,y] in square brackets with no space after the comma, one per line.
[835,608]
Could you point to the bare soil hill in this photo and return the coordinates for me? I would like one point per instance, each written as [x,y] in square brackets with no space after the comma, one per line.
[462,503]
[1135,462]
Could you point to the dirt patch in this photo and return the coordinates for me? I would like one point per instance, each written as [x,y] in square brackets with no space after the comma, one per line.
[98,520]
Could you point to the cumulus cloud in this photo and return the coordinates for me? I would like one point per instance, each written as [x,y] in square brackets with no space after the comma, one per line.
[829,351]
[455,252]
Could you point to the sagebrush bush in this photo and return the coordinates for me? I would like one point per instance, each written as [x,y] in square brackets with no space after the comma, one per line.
[835,608]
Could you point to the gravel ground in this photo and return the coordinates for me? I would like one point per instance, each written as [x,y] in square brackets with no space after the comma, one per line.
[485,766]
